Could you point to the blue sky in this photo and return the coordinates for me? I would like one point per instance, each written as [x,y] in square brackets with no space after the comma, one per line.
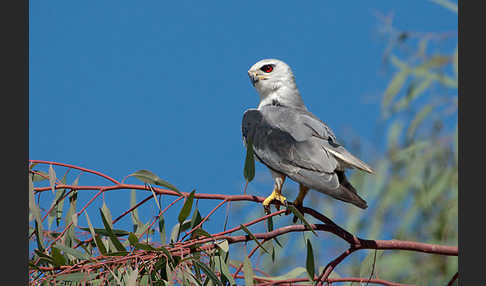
[119,86]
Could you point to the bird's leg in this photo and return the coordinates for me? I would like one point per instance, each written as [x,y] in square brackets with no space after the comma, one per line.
[298,203]
[276,194]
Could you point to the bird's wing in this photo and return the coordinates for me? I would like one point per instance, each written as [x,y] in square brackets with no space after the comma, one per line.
[278,149]
[278,139]
[304,126]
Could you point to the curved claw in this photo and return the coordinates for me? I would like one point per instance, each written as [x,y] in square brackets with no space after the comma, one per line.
[275,196]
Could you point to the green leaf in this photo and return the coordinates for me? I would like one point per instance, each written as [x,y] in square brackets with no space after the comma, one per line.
[299,215]
[107,214]
[310,266]
[39,178]
[214,278]
[144,246]
[57,204]
[134,214]
[44,256]
[200,232]
[394,133]
[162,229]
[58,258]
[36,213]
[406,153]
[249,169]
[223,245]
[132,278]
[60,204]
[74,252]
[38,236]
[76,277]
[52,178]
[435,61]
[245,229]
[133,239]
[418,119]
[447,4]
[155,197]
[394,87]
[196,218]
[248,272]
[112,236]
[222,266]
[104,232]
[270,228]
[186,208]
[177,229]
[150,178]
[294,273]
[167,253]
[97,240]
[412,94]
[73,198]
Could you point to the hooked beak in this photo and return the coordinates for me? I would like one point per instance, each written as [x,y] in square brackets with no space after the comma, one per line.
[255,77]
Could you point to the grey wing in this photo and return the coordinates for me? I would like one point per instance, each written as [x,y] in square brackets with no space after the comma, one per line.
[309,126]
[304,161]
[279,143]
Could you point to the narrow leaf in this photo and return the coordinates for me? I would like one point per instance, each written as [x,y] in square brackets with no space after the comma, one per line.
[248,272]
[151,178]
[155,197]
[112,236]
[74,252]
[132,278]
[133,239]
[52,178]
[134,214]
[196,218]
[104,232]
[310,266]
[162,229]
[58,258]
[77,277]
[447,4]
[298,214]
[249,169]
[214,278]
[245,229]
[99,244]
[294,273]
[394,87]
[270,228]
[39,178]
[186,208]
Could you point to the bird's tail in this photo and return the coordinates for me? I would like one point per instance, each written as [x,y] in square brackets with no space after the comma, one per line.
[348,193]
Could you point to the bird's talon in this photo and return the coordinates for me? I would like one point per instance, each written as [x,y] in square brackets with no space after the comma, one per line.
[274,197]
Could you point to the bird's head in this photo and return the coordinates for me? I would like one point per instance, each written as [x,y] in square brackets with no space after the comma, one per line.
[270,74]
[274,80]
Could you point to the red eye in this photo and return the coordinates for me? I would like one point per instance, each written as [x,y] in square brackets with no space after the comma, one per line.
[267,68]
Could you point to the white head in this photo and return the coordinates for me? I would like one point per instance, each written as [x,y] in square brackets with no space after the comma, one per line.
[274,81]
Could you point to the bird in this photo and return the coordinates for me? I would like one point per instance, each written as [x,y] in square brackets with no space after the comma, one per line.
[292,142]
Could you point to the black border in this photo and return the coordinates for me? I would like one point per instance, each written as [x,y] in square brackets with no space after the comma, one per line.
[15,132]
[471,122]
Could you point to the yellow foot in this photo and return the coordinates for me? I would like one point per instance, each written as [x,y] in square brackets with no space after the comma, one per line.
[275,196]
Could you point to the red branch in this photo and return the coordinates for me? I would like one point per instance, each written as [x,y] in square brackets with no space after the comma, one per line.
[205,244]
